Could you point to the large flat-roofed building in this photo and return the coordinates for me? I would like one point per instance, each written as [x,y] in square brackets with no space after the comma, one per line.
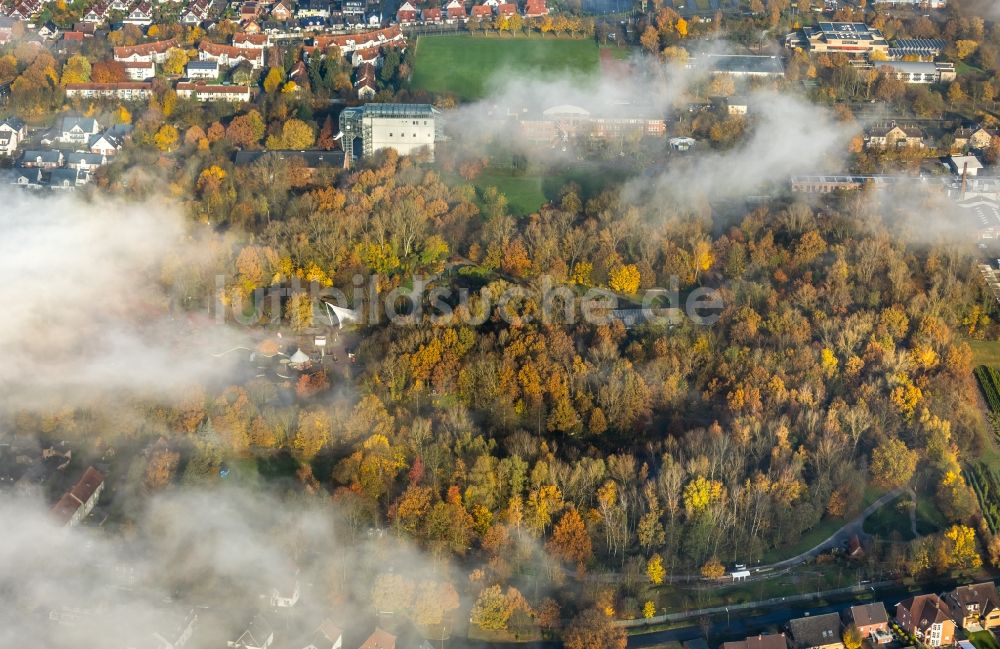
[852,39]
[919,71]
[742,65]
[407,128]
[925,48]
[566,121]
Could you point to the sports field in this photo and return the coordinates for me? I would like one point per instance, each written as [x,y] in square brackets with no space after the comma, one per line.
[463,65]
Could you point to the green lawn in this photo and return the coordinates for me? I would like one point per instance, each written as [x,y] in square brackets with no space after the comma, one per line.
[464,65]
[983,640]
[528,191]
[985,352]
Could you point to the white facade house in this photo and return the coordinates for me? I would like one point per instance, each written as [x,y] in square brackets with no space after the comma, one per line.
[258,635]
[211,92]
[12,133]
[202,70]
[125,91]
[140,70]
[77,130]
[104,144]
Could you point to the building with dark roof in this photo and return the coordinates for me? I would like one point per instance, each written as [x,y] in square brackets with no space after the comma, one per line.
[762,641]
[928,618]
[871,620]
[852,39]
[742,65]
[975,605]
[313,158]
[816,632]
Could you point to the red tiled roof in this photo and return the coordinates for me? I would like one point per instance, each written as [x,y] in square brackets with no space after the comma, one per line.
[156,47]
[216,49]
[256,39]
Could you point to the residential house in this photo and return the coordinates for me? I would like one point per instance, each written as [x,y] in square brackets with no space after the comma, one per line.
[737,106]
[105,144]
[229,55]
[379,639]
[77,503]
[66,179]
[928,618]
[30,177]
[431,14]
[12,133]
[976,606]
[171,630]
[247,41]
[141,14]
[49,31]
[816,632]
[196,12]
[313,9]
[368,56]
[285,595]
[212,92]
[976,138]
[8,143]
[85,160]
[202,70]
[155,51]
[368,41]
[894,136]
[257,635]
[364,84]
[120,5]
[407,13]
[506,9]
[353,11]
[97,13]
[32,159]
[22,12]
[76,130]
[871,620]
[763,641]
[124,91]
[73,37]
[482,12]
[6,30]
[140,70]
[535,9]
[327,636]
[249,11]
[454,10]
[281,11]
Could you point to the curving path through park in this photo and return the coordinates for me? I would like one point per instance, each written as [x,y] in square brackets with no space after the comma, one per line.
[838,538]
